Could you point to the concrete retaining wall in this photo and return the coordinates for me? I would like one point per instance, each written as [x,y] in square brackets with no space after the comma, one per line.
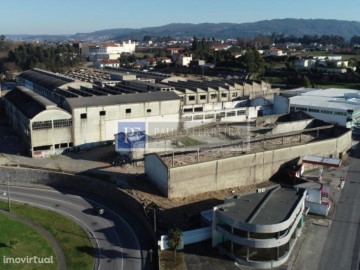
[291,126]
[155,168]
[238,171]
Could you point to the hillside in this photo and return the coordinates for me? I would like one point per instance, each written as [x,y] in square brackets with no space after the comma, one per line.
[297,27]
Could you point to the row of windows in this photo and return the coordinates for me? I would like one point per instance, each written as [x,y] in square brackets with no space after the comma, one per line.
[212,96]
[48,124]
[41,125]
[317,111]
[62,123]
[340,113]
[313,110]
[103,113]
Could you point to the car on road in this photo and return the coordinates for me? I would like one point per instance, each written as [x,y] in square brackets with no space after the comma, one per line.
[99,210]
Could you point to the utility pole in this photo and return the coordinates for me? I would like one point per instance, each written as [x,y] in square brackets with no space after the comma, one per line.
[8,189]
[154,211]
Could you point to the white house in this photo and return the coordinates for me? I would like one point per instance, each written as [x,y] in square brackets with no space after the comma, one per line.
[101,63]
[184,59]
[274,52]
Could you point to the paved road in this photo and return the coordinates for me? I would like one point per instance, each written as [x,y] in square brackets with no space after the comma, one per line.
[342,248]
[116,244]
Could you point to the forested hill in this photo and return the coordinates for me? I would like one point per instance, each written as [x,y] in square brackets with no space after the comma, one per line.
[296,27]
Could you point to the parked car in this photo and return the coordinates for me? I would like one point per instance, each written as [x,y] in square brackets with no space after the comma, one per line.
[99,210]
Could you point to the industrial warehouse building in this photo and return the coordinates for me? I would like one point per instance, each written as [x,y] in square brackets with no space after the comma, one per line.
[333,105]
[97,109]
[45,128]
[94,112]
[98,119]
[259,229]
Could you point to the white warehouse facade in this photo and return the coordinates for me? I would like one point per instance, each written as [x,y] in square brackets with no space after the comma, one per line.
[336,106]
[44,127]
[97,120]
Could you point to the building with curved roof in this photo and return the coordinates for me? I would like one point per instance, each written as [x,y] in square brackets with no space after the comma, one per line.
[259,229]
[44,127]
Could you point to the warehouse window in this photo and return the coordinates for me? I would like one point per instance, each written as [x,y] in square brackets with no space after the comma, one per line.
[188,110]
[102,113]
[223,95]
[191,98]
[83,116]
[313,110]
[41,125]
[203,97]
[128,111]
[148,110]
[62,123]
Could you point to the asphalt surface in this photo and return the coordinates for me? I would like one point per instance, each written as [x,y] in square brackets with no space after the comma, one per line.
[116,245]
[342,248]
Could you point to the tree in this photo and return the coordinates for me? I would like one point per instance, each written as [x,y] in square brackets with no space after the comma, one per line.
[174,239]
[2,42]
[252,61]
[194,45]
[305,81]
[355,40]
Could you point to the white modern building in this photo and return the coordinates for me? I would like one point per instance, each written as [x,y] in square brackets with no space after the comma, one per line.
[110,50]
[259,229]
[333,105]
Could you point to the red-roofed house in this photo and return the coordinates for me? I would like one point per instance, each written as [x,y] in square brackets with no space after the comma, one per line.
[101,63]
[220,47]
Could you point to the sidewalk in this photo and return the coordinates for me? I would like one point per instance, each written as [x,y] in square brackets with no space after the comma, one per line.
[308,250]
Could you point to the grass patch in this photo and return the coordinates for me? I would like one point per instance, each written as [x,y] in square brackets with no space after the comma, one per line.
[71,237]
[19,240]
[338,85]
[141,55]
[187,141]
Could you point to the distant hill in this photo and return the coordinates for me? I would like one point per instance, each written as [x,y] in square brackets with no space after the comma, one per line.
[297,27]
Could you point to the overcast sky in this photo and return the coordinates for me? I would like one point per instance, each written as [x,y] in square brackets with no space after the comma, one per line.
[73,16]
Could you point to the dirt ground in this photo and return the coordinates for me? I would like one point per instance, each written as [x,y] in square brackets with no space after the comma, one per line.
[183,213]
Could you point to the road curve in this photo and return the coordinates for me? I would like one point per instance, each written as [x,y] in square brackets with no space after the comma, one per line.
[117,246]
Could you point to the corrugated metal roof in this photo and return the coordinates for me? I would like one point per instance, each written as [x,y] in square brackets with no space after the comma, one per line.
[333,98]
[28,102]
[120,99]
[44,80]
